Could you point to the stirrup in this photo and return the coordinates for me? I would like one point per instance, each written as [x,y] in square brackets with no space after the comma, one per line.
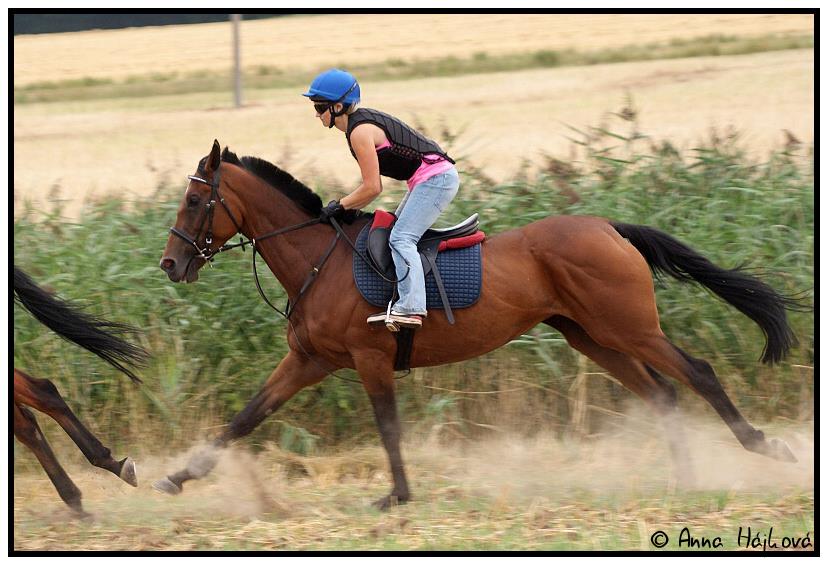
[405,321]
[394,321]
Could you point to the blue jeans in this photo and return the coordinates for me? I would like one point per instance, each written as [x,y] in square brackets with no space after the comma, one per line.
[416,213]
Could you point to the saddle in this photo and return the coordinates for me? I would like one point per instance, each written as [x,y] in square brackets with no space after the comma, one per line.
[433,241]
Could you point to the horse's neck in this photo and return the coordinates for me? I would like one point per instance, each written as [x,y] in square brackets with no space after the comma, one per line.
[289,256]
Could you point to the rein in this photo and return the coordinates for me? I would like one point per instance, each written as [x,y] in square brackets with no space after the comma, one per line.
[209,255]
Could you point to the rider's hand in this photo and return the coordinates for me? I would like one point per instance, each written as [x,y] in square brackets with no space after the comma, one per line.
[333,210]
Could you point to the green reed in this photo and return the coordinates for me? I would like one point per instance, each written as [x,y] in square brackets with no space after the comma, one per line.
[215,342]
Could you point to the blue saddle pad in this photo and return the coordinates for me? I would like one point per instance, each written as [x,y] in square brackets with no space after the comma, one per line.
[460,269]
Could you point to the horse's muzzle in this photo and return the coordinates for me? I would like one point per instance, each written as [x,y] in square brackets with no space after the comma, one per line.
[180,271]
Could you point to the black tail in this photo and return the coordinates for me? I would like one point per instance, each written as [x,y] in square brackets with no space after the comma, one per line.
[98,336]
[749,295]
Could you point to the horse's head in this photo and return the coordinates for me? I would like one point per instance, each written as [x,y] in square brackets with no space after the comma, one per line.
[207,217]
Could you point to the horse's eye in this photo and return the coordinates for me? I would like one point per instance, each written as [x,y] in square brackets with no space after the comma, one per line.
[193,200]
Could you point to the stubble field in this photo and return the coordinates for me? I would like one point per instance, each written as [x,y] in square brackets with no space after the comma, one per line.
[611,492]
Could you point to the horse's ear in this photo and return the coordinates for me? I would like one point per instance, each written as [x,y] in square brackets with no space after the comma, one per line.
[214,160]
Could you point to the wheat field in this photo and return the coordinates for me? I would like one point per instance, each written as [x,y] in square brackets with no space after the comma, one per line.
[77,150]
[316,41]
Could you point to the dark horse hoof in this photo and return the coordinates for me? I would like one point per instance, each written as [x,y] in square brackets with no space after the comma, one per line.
[128,474]
[77,510]
[166,486]
[389,501]
[82,514]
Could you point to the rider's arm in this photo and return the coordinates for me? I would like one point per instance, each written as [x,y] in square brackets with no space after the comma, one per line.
[362,140]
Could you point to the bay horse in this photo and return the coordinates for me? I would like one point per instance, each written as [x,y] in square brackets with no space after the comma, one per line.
[588,277]
[94,334]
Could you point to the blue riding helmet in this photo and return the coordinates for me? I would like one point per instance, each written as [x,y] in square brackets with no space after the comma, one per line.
[334,85]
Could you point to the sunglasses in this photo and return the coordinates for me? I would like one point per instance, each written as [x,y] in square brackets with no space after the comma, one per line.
[321,107]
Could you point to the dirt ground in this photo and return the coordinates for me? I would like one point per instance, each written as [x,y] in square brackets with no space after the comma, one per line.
[605,492]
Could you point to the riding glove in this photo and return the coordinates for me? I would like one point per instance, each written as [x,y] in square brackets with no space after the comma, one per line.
[333,210]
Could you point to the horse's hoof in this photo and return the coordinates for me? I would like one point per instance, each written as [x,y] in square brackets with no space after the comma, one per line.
[82,514]
[779,450]
[166,486]
[78,512]
[128,473]
[387,502]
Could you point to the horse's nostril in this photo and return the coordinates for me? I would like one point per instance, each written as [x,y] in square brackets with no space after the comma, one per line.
[167,264]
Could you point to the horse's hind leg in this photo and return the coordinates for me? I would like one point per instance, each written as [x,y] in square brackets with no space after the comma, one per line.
[28,433]
[659,352]
[42,395]
[642,380]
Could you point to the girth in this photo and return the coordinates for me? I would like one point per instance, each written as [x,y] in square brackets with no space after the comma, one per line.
[464,234]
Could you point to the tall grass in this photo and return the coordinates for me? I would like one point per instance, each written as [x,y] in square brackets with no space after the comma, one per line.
[215,342]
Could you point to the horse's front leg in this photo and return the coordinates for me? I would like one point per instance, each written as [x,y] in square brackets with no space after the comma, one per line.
[377,376]
[294,373]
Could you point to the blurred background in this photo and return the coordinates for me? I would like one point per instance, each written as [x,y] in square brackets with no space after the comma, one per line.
[698,124]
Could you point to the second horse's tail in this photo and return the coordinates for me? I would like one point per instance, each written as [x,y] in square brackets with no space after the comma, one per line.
[746,293]
[94,334]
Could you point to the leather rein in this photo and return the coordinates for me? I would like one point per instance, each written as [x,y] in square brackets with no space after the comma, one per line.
[209,255]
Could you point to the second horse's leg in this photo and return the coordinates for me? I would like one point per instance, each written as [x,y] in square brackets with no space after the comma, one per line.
[294,373]
[28,433]
[43,396]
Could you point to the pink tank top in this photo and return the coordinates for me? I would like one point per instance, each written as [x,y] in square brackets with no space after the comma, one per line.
[426,170]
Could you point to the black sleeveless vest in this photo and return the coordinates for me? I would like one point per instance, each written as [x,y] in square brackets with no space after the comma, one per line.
[408,146]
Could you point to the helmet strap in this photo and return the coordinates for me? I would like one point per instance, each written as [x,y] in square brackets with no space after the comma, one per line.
[333,115]
[341,99]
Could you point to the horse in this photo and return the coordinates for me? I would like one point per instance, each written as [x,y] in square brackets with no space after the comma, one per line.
[102,338]
[590,278]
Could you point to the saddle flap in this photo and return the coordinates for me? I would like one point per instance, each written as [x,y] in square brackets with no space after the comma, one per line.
[460,271]
[378,249]
[464,234]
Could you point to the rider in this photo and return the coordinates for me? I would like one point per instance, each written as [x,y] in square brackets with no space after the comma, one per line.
[384,145]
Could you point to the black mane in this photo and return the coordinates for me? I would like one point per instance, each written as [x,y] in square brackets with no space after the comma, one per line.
[303,196]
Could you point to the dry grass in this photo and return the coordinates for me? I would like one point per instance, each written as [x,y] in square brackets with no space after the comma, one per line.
[608,492]
[129,146]
[312,42]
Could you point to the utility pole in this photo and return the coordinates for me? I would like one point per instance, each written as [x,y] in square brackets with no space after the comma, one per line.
[237,78]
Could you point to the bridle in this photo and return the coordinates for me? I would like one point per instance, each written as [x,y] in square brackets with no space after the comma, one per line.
[209,254]
[205,252]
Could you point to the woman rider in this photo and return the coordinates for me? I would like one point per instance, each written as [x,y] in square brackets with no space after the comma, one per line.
[384,145]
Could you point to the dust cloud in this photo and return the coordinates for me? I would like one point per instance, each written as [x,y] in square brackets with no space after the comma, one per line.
[629,460]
